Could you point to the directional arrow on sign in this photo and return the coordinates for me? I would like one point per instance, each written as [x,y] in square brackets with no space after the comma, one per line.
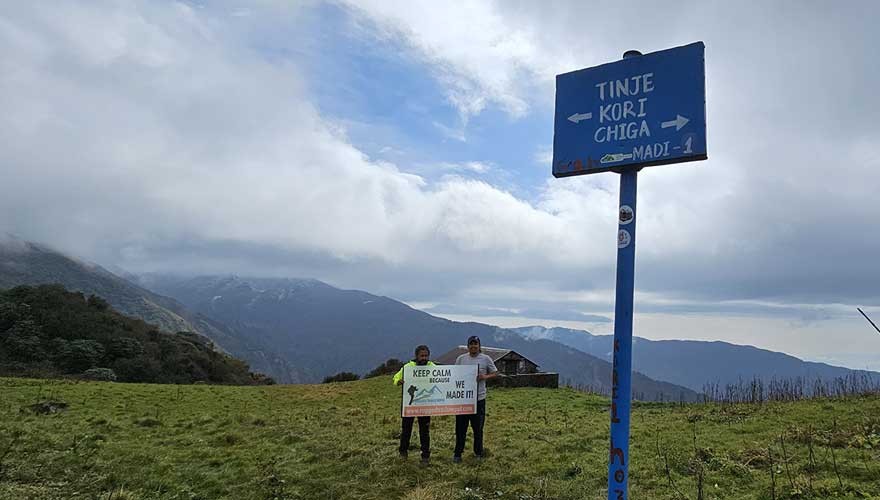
[679,122]
[577,117]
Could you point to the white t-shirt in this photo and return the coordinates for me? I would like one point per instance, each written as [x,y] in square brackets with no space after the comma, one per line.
[485,366]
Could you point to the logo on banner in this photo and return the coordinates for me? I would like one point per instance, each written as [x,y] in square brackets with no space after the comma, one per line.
[432,395]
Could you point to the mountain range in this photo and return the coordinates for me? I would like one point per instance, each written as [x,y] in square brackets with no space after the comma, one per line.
[316,326]
[301,330]
[693,363]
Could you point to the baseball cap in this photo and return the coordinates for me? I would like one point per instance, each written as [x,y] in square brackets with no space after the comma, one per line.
[473,339]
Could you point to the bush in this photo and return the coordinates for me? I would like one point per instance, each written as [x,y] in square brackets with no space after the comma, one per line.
[100,374]
[97,303]
[23,341]
[139,369]
[342,377]
[262,379]
[11,313]
[81,354]
[389,367]
[125,347]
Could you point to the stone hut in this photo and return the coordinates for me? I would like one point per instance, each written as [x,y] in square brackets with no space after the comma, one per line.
[515,369]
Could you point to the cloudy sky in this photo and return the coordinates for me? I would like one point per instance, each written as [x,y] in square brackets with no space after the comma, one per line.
[403,148]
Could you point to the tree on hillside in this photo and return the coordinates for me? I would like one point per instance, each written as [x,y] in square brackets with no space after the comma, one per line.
[97,303]
[389,367]
[342,377]
[262,379]
[46,331]
[125,347]
[138,369]
[80,355]
[10,313]
[23,341]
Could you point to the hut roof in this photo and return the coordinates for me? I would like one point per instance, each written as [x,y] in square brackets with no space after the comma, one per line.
[495,353]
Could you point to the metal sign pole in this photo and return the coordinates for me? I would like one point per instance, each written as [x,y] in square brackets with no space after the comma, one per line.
[621,371]
[642,111]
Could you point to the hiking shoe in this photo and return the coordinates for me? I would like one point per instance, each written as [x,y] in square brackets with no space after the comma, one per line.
[456,459]
[403,455]
[425,461]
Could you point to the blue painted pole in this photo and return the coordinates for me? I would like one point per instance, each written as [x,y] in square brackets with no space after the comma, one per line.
[621,372]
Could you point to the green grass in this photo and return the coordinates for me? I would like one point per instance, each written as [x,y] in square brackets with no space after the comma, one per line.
[128,441]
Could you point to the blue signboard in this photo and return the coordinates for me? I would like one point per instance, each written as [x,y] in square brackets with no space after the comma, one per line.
[640,111]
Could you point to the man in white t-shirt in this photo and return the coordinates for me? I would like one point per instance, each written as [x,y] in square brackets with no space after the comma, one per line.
[485,370]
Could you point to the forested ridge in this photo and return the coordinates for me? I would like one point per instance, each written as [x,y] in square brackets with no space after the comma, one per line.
[47,331]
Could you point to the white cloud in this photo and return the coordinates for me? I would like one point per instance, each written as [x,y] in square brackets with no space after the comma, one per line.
[132,131]
[480,57]
[455,133]
[544,157]
[158,130]
[477,167]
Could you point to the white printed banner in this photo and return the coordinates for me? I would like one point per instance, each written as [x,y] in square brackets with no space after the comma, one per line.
[439,390]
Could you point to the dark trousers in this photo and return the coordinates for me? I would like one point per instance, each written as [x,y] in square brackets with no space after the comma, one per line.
[476,421]
[424,434]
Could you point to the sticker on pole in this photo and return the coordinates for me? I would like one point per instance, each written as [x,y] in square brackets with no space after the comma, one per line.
[439,390]
[623,238]
[640,111]
[626,215]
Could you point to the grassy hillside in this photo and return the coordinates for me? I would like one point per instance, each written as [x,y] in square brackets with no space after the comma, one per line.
[129,441]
